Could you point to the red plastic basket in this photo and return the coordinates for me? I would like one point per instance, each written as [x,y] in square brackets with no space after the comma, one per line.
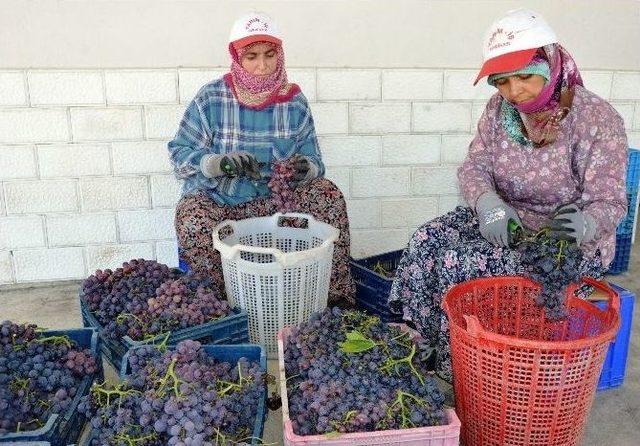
[520,378]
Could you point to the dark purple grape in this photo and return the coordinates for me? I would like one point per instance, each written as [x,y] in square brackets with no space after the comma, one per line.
[39,375]
[180,397]
[330,389]
[280,184]
[555,265]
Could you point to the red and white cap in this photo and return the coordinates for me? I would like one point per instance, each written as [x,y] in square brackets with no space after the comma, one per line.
[254,27]
[511,42]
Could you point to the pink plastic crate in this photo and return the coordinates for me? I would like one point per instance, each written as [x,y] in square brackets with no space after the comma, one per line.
[447,435]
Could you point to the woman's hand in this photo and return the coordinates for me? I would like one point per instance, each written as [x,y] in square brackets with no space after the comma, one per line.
[493,216]
[305,170]
[234,164]
[571,224]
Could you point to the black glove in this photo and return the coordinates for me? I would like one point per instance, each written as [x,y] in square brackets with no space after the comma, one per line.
[234,164]
[305,170]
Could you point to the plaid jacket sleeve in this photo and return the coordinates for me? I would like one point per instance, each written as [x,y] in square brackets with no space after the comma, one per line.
[191,142]
[307,141]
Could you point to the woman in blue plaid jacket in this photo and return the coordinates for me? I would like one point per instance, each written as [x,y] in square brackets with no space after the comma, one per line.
[231,134]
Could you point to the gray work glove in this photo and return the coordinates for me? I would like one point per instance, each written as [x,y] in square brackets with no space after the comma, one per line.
[234,164]
[493,216]
[305,170]
[571,224]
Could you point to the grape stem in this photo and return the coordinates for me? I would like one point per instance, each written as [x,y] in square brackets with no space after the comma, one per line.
[133,441]
[100,390]
[222,440]
[55,340]
[165,383]
[122,316]
[404,410]
[162,346]
[227,386]
[395,363]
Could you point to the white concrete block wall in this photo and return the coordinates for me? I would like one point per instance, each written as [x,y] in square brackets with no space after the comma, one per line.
[41,196]
[20,125]
[112,256]
[148,86]
[21,232]
[106,124]
[191,81]
[73,160]
[85,181]
[167,252]
[13,89]
[83,229]
[17,162]
[66,88]
[48,264]
[165,190]
[6,268]
[140,157]
[414,149]
[154,224]
[357,85]
[161,120]
[109,193]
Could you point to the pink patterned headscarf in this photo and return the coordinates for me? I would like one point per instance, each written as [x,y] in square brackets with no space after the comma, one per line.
[258,92]
[541,117]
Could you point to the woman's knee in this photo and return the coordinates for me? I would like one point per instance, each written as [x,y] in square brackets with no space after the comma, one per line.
[325,186]
[197,210]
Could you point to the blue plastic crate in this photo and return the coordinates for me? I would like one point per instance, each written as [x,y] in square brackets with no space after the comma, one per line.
[182,264]
[615,364]
[372,289]
[63,429]
[233,329]
[633,169]
[620,262]
[633,177]
[629,221]
[231,354]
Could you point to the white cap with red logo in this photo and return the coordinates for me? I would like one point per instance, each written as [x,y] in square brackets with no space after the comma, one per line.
[254,27]
[511,41]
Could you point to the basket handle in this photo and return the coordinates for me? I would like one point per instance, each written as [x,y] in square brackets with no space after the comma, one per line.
[223,224]
[614,298]
[474,327]
[275,252]
[335,232]
[233,251]
[278,215]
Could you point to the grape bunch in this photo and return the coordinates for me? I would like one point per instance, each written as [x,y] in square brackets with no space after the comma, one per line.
[280,184]
[179,397]
[145,298]
[39,375]
[555,264]
[117,297]
[184,302]
[348,372]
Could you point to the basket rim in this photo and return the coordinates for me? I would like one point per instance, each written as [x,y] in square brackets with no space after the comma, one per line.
[613,313]
[230,251]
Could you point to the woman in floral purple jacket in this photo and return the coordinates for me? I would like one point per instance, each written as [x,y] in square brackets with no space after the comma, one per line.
[547,152]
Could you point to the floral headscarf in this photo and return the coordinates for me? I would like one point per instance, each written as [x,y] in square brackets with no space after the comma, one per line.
[541,117]
[258,92]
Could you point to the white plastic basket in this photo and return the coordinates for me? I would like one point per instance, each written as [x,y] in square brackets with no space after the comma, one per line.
[279,275]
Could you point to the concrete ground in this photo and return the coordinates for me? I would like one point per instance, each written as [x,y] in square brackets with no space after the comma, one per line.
[614,417]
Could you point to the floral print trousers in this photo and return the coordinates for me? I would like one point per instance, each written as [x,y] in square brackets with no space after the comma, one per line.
[442,253]
[197,215]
